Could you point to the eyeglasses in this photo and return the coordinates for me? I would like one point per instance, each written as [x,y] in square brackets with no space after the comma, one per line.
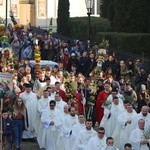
[101,132]
[52,105]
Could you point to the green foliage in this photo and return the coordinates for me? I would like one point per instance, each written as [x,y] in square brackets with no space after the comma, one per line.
[104,7]
[79,27]
[132,16]
[127,15]
[104,43]
[107,10]
[63,17]
[1,20]
[134,42]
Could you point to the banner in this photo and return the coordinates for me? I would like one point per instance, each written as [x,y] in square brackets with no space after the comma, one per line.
[6,81]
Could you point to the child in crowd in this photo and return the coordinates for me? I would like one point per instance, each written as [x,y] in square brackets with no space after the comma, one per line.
[8,130]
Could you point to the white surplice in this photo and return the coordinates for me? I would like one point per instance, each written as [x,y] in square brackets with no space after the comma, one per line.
[30,101]
[65,136]
[109,119]
[138,117]
[120,97]
[43,104]
[83,139]
[60,141]
[136,136]
[77,129]
[60,105]
[124,128]
[50,132]
[95,143]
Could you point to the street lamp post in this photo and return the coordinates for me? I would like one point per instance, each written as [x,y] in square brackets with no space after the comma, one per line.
[6,13]
[89,6]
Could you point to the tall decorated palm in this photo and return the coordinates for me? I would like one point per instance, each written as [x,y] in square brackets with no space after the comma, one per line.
[16,25]
[51,26]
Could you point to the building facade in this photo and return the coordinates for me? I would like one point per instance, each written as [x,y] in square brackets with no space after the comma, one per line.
[39,12]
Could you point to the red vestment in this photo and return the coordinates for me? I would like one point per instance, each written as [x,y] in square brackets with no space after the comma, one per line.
[102,96]
[63,95]
[79,102]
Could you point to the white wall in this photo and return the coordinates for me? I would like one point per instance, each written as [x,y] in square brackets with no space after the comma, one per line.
[3,11]
[77,8]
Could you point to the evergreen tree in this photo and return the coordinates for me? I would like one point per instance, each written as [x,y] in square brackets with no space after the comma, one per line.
[132,15]
[107,10]
[63,17]
[104,8]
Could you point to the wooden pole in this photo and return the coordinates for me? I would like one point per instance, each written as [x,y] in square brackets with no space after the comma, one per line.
[1,129]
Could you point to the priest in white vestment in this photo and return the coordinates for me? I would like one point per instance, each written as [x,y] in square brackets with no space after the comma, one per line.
[97,142]
[66,130]
[30,100]
[60,141]
[43,104]
[84,136]
[51,93]
[78,127]
[110,144]
[138,139]
[47,84]
[114,93]
[125,120]
[52,123]
[110,116]
[59,102]
[144,114]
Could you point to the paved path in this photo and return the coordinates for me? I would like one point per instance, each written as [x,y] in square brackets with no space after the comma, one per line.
[29,146]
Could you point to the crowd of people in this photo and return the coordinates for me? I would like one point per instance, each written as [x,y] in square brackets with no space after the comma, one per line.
[78,104]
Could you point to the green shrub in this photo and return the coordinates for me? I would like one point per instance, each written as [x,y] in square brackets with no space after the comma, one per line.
[134,42]
[79,27]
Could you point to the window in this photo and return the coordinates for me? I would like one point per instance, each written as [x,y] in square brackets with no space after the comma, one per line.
[42,5]
[96,7]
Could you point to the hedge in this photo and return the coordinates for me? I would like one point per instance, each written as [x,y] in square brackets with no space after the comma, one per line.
[79,26]
[134,42]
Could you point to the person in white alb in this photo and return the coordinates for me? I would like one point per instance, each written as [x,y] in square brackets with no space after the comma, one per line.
[110,117]
[59,102]
[43,104]
[138,139]
[125,119]
[66,130]
[110,144]
[30,100]
[48,83]
[52,124]
[51,96]
[63,116]
[144,114]
[97,142]
[84,136]
[79,126]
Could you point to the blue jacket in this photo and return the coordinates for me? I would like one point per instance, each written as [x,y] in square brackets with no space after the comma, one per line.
[8,127]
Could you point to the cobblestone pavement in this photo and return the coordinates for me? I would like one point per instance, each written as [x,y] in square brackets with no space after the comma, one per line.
[29,146]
